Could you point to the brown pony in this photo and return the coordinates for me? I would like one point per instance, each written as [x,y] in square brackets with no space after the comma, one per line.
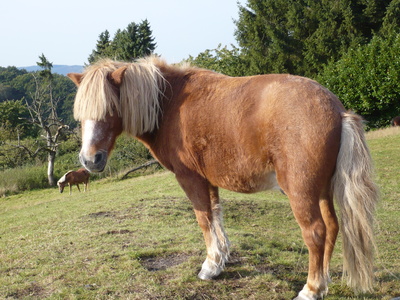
[395,121]
[74,177]
[239,134]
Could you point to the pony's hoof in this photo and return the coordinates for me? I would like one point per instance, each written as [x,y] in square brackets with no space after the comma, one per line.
[305,297]
[205,275]
[209,270]
[306,294]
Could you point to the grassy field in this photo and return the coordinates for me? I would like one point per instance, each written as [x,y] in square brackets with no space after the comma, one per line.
[138,239]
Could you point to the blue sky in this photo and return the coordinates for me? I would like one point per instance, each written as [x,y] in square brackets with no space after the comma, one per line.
[67,31]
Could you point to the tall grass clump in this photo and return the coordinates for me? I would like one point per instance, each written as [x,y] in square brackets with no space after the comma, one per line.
[20,179]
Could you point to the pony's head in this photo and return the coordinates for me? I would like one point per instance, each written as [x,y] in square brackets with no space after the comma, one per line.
[113,97]
[97,107]
[61,186]
[62,182]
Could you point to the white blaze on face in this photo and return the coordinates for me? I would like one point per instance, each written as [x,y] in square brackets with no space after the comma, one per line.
[94,134]
[88,136]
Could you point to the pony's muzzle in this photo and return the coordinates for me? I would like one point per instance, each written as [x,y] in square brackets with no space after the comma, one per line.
[94,163]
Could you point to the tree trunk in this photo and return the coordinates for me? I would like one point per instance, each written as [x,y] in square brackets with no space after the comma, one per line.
[50,168]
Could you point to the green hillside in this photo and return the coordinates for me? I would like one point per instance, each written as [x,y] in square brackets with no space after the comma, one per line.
[138,239]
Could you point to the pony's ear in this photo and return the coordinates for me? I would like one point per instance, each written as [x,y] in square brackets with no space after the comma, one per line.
[75,77]
[116,76]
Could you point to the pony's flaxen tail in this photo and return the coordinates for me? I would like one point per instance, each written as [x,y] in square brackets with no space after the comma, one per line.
[356,195]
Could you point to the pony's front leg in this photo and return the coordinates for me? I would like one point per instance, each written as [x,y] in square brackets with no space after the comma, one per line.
[208,212]
[215,237]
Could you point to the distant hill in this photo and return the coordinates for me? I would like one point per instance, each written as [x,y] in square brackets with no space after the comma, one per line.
[59,69]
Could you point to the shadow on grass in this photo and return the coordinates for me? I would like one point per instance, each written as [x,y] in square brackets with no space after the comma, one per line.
[238,268]
[160,263]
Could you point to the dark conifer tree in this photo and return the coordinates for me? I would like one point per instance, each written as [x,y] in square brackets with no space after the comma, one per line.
[102,47]
[133,42]
[301,36]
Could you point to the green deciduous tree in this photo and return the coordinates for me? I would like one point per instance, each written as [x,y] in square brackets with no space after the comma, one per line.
[222,60]
[7,89]
[11,124]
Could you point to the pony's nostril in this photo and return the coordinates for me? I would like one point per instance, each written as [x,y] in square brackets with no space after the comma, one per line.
[98,157]
[94,163]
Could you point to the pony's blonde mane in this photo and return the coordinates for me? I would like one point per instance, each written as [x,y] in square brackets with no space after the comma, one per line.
[63,179]
[138,105]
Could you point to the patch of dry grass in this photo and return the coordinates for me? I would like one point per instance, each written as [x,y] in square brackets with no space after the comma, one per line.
[384,132]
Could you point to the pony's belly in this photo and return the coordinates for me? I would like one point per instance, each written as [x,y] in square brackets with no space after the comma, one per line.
[248,184]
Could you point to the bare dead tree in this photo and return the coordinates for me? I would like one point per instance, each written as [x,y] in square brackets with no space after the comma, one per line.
[43,113]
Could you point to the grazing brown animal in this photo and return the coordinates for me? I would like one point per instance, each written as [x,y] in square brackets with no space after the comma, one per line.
[217,131]
[395,121]
[74,177]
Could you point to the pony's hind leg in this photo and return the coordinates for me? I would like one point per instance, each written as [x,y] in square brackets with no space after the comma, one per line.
[332,229]
[208,212]
[308,215]
[86,186]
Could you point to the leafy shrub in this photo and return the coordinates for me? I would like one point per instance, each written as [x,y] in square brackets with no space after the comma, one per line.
[367,80]
[70,145]
[127,154]
[12,156]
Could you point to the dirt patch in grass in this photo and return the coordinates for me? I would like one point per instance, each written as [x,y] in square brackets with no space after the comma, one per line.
[117,215]
[162,263]
[102,214]
[32,290]
[121,231]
